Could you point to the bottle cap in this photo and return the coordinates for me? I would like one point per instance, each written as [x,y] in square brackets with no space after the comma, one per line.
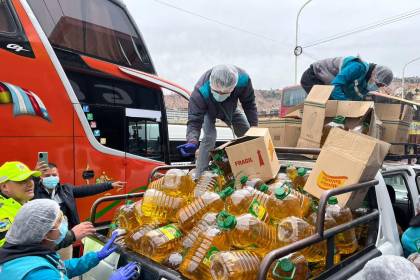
[332,200]
[339,119]
[217,157]
[226,192]
[129,202]
[280,192]
[286,265]
[301,171]
[263,188]
[225,220]
[243,179]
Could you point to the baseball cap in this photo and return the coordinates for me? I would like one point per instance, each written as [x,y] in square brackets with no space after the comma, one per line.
[16,171]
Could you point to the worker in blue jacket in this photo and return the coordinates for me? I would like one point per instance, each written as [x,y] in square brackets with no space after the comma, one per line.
[351,77]
[29,249]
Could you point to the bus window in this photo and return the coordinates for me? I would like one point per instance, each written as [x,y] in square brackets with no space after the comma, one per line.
[291,96]
[97,28]
[7,24]
[144,138]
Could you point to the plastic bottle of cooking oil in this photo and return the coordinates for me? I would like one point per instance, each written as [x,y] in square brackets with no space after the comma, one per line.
[293,266]
[209,181]
[254,183]
[160,206]
[174,260]
[291,172]
[248,200]
[157,244]
[346,241]
[300,180]
[362,230]
[175,182]
[291,203]
[196,264]
[190,214]
[132,240]
[125,216]
[248,232]
[141,218]
[337,121]
[193,173]
[205,223]
[221,159]
[238,264]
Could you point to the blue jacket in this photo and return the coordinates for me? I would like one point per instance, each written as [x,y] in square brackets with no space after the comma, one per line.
[47,267]
[351,82]
[409,238]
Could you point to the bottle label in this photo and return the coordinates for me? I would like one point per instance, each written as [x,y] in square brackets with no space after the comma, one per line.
[258,210]
[207,259]
[171,232]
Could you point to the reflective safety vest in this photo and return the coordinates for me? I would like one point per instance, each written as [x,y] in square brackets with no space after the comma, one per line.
[8,210]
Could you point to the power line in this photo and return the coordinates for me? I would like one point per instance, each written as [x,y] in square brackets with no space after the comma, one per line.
[363,28]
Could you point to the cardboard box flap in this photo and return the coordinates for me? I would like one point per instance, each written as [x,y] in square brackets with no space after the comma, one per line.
[319,94]
[256,131]
[295,112]
[388,111]
[348,109]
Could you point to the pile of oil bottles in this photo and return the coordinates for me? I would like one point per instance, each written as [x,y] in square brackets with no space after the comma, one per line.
[220,227]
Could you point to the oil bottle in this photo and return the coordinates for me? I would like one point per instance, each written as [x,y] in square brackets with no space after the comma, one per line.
[337,121]
[157,244]
[238,264]
[160,206]
[346,241]
[221,159]
[248,200]
[293,266]
[204,224]
[209,181]
[132,240]
[174,260]
[196,264]
[175,182]
[362,230]
[141,218]
[291,172]
[190,214]
[300,180]
[125,217]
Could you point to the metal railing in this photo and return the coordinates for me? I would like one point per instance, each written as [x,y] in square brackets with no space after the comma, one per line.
[320,233]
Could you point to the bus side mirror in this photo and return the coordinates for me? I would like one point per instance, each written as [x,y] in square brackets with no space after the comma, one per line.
[88,174]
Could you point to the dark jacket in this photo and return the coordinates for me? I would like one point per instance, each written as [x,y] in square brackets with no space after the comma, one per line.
[68,193]
[202,102]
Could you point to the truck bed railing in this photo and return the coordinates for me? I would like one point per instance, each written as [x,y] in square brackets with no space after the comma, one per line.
[320,233]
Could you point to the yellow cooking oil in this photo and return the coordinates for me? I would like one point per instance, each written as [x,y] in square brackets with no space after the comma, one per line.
[237,264]
[196,264]
[291,172]
[346,241]
[209,181]
[160,206]
[157,244]
[141,218]
[300,180]
[207,221]
[125,216]
[292,267]
[175,182]
[132,240]
[248,200]
[190,214]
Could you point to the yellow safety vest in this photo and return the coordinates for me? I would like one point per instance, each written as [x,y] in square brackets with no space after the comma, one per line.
[8,210]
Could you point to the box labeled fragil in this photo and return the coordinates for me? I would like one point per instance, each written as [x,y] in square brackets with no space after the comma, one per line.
[346,158]
[253,155]
[396,119]
[284,131]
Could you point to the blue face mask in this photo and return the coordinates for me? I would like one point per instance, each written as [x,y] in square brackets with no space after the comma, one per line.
[219,97]
[372,87]
[64,228]
[50,182]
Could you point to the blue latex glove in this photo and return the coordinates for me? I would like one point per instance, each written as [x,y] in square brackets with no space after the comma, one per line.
[108,249]
[187,149]
[124,273]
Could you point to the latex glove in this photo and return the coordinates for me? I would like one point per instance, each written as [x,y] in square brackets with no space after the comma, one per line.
[108,249]
[124,273]
[187,149]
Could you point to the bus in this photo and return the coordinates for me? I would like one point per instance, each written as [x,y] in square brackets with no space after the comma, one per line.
[77,81]
[291,96]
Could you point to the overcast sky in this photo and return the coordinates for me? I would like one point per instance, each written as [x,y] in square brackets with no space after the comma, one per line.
[183,46]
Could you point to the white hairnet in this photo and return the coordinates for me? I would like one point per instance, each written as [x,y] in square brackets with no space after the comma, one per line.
[389,268]
[223,78]
[33,221]
[383,75]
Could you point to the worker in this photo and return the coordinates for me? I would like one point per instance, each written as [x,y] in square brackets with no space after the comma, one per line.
[351,77]
[29,252]
[17,188]
[216,96]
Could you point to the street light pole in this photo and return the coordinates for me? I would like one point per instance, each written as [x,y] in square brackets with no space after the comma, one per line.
[298,49]
[403,75]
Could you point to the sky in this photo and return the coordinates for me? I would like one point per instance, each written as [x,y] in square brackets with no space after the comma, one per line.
[259,36]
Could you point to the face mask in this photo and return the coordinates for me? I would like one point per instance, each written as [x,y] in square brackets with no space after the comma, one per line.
[219,97]
[64,228]
[372,87]
[50,182]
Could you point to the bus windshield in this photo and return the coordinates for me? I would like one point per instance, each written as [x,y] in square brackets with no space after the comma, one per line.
[97,28]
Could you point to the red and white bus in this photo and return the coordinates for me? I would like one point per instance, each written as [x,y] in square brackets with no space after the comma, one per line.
[290,97]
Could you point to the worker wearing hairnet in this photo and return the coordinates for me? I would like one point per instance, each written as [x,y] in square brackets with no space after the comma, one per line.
[216,96]
[351,77]
[29,252]
[390,267]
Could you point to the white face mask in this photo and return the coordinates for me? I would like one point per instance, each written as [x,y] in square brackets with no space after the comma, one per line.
[219,97]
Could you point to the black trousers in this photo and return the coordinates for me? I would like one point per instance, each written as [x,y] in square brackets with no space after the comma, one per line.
[309,79]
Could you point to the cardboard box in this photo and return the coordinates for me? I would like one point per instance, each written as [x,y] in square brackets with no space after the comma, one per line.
[346,158]
[396,119]
[318,111]
[253,155]
[284,131]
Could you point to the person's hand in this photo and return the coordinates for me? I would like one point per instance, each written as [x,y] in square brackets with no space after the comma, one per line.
[124,273]
[82,230]
[42,167]
[108,248]
[118,185]
[187,149]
